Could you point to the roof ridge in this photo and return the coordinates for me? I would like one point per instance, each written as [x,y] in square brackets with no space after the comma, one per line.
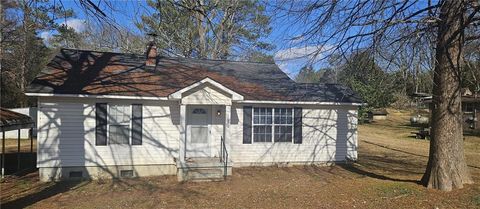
[219,60]
[88,50]
[169,57]
[320,83]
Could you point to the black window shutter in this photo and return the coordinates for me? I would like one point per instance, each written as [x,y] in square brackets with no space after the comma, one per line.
[297,125]
[101,124]
[137,124]
[247,124]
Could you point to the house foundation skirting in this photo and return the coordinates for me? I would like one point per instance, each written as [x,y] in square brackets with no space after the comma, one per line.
[104,172]
[125,171]
[288,164]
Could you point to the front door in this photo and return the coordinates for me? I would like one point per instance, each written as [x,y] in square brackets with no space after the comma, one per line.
[198,131]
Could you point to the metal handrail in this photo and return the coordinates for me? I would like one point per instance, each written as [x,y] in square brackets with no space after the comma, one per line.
[224,156]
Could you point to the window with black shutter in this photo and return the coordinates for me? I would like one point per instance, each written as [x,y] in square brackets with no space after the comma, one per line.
[118,124]
[272,124]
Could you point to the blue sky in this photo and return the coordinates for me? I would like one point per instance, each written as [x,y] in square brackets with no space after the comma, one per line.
[290,55]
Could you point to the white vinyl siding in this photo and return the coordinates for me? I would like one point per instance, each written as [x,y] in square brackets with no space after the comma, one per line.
[206,94]
[66,135]
[329,134]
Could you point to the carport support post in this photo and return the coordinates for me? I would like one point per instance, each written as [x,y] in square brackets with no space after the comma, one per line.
[31,140]
[3,153]
[18,150]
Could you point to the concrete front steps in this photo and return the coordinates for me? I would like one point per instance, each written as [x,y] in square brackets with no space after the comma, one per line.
[202,169]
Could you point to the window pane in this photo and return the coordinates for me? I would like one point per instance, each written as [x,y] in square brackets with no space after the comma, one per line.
[269,120]
[283,133]
[262,115]
[199,111]
[283,116]
[119,114]
[118,134]
[262,133]
[268,134]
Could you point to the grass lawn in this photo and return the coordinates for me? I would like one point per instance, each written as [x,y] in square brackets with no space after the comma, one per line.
[386,176]
[11,145]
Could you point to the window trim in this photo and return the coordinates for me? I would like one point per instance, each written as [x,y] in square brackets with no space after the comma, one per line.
[129,111]
[273,125]
[285,125]
[262,124]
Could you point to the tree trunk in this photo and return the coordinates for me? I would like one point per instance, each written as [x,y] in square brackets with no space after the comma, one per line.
[447,168]
[23,66]
[201,29]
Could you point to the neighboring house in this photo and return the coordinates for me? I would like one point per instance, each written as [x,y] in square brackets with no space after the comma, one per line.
[378,114]
[470,110]
[471,113]
[103,114]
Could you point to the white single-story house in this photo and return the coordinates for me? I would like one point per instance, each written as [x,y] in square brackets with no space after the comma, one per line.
[105,114]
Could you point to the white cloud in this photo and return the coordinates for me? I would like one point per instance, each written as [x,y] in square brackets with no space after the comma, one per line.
[45,35]
[292,59]
[312,53]
[78,25]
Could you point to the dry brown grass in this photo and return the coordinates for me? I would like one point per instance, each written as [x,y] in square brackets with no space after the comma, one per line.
[385,176]
[11,145]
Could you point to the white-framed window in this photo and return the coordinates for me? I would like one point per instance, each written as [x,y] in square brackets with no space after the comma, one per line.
[283,125]
[272,123]
[262,124]
[119,124]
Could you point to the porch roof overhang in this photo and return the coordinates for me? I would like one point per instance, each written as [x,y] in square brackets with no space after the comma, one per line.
[10,120]
[178,95]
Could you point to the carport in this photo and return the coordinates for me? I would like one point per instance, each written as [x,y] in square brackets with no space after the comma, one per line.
[10,121]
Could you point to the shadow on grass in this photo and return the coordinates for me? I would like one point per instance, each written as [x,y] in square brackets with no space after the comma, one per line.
[56,188]
[354,169]
[408,153]
[393,149]
[387,166]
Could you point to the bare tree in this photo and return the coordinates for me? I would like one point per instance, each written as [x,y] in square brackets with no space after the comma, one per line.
[348,25]
[207,29]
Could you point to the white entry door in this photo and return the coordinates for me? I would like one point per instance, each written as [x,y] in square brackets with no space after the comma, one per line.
[198,132]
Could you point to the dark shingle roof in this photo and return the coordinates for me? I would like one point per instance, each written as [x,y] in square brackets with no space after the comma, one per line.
[105,73]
